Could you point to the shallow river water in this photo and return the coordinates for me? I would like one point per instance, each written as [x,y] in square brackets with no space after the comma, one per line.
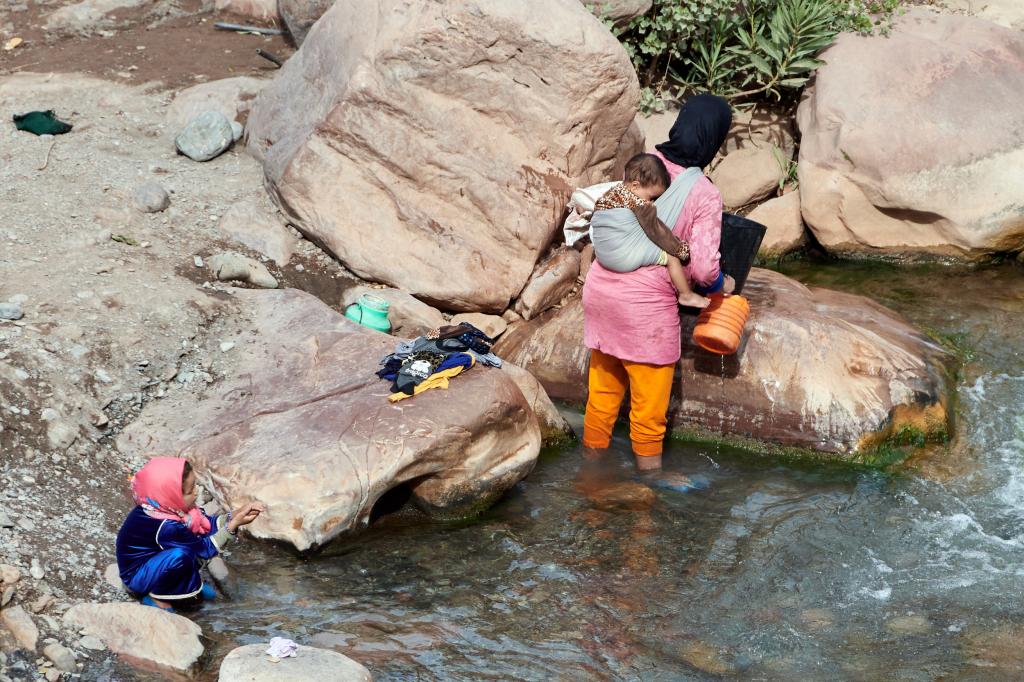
[773,572]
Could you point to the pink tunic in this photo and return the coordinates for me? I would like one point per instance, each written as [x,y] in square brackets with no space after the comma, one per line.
[633,315]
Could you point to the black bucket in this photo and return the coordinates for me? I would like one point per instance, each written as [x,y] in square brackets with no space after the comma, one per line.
[741,238]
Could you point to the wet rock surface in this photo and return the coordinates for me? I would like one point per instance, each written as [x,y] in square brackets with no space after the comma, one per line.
[818,369]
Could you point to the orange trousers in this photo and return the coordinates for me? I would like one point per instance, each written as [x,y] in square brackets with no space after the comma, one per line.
[650,387]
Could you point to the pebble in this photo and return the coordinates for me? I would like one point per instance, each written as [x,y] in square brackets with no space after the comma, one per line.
[151,198]
[225,346]
[11,311]
[61,656]
[49,414]
[198,260]
[102,375]
[236,130]
[5,522]
[234,266]
[206,136]
[26,524]
[91,643]
[5,599]
[36,570]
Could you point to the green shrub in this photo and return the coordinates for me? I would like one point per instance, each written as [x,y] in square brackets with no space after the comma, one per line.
[745,50]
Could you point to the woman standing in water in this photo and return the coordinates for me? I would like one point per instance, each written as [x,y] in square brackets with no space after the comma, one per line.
[631,319]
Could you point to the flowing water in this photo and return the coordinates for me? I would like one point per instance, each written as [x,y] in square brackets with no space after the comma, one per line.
[771,572]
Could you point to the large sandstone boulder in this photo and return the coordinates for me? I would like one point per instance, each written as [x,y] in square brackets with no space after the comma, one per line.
[748,175]
[818,369]
[141,632]
[301,423]
[251,664]
[431,146]
[785,226]
[911,141]
[300,15]
[551,348]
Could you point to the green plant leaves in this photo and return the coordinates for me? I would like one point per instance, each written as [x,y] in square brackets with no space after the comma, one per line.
[742,49]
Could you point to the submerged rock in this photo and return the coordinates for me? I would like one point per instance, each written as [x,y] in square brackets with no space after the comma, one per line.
[491,119]
[301,423]
[141,632]
[251,664]
[817,369]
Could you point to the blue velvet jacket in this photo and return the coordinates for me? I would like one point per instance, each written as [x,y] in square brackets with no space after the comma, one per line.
[142,537]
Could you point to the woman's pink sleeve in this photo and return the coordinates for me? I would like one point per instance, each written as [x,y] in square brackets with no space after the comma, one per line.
[705,237]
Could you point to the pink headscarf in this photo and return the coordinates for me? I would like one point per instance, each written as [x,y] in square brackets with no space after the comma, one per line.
[157,489]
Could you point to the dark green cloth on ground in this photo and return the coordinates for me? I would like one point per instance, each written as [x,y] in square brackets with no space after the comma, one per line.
[41,123]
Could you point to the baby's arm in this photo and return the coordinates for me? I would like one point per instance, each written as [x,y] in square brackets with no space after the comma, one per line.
[658,232]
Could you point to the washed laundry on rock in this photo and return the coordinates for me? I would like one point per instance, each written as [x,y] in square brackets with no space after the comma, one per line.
[430,361]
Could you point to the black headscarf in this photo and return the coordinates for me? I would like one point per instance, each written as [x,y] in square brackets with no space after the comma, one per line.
[699,131]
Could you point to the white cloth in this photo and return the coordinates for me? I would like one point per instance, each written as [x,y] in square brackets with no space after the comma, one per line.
[281,647]
[581,207]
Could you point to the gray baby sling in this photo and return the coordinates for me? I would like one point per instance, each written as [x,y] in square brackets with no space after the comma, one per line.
[620,244]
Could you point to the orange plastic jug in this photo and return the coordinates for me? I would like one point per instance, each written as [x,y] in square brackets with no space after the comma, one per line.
[719,327]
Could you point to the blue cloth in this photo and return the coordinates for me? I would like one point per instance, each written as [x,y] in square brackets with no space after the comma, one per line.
[161,557]
[712,288]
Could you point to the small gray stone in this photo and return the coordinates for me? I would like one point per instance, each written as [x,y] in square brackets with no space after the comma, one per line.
[218,569]
[5,598]
[205,137]
[113,576]
[61,656]
[36,569]
[102,375]
[11,311]
[151,198]
[91,643]
[26,524]
[236,130]
[5,520]
[9,574]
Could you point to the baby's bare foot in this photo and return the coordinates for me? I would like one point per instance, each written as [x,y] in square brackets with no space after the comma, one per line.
[693,300]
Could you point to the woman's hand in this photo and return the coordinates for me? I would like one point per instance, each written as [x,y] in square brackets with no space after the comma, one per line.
[728,285]
[245,515]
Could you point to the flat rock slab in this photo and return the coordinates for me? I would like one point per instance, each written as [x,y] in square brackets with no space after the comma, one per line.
[251,664]
[302,424]
[140,632]
[818,369]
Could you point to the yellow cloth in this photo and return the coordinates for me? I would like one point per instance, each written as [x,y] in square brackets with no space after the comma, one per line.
[435,380]
[662,258]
